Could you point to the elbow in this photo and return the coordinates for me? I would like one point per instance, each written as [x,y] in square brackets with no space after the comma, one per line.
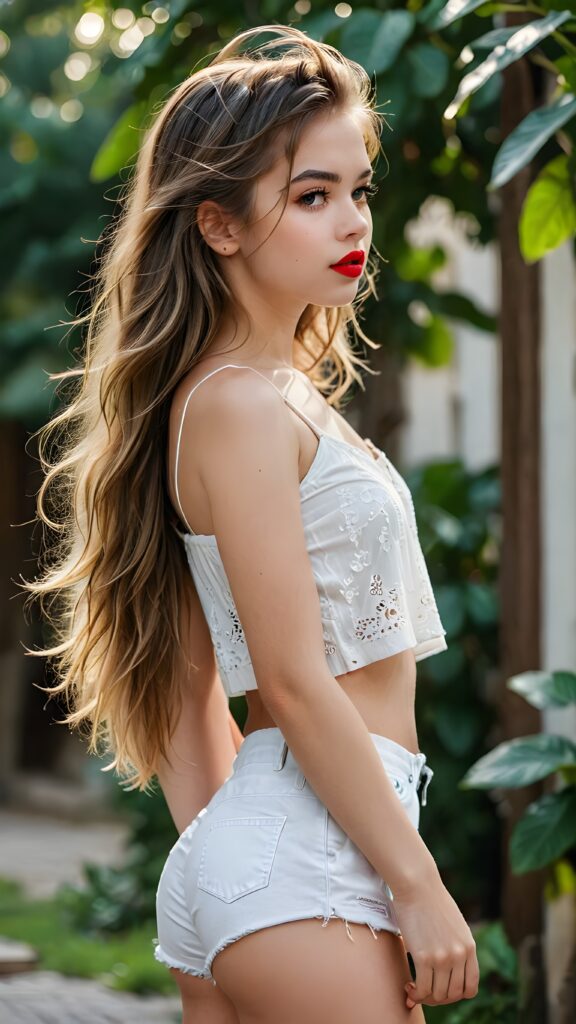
[293,693]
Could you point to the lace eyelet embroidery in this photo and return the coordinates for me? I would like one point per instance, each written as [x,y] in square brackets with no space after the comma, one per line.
[389,616]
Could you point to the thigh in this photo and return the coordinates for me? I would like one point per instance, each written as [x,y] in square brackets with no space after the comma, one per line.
[202,1001]
[300,971]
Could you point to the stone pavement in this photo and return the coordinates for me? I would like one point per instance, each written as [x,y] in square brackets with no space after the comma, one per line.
[43,997]
[42,852]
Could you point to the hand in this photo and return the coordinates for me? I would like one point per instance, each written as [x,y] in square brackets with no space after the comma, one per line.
[440,945]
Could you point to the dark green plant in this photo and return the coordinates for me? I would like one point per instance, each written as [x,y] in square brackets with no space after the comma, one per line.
[458,513]
[547,830]
[113,899]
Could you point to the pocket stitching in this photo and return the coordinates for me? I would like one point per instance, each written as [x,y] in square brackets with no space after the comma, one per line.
[276,823]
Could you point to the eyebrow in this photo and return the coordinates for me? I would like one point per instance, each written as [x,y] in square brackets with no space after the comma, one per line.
[327,176]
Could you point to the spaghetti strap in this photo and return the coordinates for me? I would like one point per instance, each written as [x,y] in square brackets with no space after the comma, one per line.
[313,426]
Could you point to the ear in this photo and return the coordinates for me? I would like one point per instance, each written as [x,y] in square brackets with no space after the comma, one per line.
[217,228]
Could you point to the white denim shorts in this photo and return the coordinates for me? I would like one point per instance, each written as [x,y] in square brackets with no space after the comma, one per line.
[265,850]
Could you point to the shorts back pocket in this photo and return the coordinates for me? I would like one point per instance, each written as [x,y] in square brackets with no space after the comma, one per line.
[238,854]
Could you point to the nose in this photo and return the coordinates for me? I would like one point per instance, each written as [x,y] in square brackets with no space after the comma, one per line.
[355,223]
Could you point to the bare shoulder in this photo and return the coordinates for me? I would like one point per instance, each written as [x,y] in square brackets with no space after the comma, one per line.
[212,408]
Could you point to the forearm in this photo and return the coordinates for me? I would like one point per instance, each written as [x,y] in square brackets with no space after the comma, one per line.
[200,754]
[332,746]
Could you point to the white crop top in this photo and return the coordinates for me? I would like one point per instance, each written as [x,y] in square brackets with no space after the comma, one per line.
[362,540]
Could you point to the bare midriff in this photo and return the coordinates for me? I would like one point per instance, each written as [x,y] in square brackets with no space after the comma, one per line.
[383,693]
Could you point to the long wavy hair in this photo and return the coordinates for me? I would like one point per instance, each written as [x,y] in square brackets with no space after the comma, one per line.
[114,582]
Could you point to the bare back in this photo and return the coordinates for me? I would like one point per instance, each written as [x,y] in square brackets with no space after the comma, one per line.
[383,692]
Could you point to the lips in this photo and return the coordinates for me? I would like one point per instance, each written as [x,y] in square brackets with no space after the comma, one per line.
[350,265]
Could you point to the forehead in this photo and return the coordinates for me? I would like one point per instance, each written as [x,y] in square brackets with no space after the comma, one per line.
[330,142]
[337,136]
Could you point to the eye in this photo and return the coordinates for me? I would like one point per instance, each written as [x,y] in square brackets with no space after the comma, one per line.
[311,195]
[368,191]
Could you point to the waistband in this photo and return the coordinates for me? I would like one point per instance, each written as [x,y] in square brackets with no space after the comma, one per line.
[268,747]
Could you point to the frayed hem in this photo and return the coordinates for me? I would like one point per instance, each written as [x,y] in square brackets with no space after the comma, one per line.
[377,927]
[374,928]
[178,965]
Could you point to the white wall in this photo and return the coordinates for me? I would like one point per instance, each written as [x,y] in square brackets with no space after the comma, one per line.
[455,410]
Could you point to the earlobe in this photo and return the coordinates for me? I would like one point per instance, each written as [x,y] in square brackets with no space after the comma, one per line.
[216,228]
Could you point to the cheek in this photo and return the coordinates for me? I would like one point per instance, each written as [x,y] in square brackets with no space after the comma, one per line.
[294,243]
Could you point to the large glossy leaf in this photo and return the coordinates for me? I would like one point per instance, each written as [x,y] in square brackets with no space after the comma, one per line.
[490,40]
[121,144]
[529,137]
[375,40]
[456,9]
[523,40]
[430,69]
[545,689]
[520,761]
[545,832]
[548,215]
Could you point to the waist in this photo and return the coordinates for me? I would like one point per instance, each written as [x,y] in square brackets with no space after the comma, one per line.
[268,749]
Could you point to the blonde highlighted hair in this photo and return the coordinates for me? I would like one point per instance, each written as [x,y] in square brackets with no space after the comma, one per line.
[113,584]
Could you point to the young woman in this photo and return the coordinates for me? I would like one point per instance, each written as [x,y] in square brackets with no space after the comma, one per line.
[225,531]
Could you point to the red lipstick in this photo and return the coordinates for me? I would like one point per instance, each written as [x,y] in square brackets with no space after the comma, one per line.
[350,265]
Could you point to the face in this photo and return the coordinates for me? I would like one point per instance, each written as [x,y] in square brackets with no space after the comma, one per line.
[287,263]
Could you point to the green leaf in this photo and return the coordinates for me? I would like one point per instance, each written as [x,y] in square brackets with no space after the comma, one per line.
[520,761]
[529,136]
[430,69]
[545,832]
[545,689]
[523,40]
[496,37]
[121,144]
[455,9]
[375,40]
[567,68]
[418,264]
[548,215]
[460,307]
[437,346]
[495,954]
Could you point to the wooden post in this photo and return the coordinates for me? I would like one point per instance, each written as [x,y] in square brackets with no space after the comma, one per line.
[520,586]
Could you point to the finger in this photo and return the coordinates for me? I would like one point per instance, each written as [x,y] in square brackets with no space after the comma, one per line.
[421,989]
[471,977]
[456,984]
[441,984]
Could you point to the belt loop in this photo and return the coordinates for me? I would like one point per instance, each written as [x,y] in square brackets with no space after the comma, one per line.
[427,774]
[282,759]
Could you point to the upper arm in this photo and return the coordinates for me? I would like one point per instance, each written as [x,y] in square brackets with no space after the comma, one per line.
[249,469]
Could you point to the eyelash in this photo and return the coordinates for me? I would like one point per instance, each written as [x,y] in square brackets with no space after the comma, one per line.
[368,190]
